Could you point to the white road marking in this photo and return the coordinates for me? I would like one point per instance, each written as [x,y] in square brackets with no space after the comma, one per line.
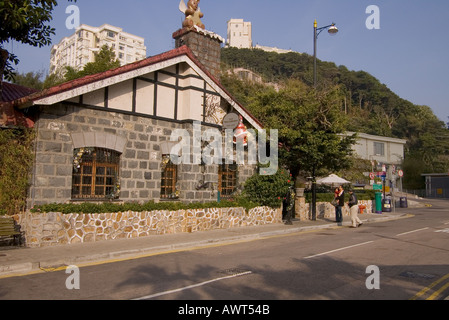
[403,234]
[345,248]
[192,286]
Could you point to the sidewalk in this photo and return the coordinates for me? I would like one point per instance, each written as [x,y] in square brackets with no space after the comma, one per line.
[18,261]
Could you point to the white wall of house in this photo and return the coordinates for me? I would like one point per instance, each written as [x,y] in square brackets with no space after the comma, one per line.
[381,149]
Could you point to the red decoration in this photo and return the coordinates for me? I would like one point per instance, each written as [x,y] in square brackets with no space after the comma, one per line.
[241,133]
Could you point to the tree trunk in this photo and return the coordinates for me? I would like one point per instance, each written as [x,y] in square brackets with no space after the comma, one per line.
[3,59]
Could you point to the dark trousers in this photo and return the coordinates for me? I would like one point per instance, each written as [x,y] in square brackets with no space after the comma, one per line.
[338,214]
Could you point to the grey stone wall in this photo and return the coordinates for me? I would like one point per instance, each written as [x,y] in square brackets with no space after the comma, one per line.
[61,128]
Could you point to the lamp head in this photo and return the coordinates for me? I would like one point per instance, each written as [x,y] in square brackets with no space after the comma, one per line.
[333,30]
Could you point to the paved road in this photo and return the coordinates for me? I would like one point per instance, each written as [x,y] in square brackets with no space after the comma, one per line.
[411,256]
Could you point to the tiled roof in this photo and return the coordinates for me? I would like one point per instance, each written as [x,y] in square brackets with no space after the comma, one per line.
[11,92]
[184,50]
[10,117]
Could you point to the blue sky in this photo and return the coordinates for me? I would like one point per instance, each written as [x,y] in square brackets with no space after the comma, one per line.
[409,53]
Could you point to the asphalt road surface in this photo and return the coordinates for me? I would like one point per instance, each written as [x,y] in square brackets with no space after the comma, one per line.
[396,260]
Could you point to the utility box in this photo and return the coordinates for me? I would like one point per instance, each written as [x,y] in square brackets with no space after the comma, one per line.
[379,202]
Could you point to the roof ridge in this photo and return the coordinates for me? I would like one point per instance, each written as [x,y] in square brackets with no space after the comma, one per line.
[89,79]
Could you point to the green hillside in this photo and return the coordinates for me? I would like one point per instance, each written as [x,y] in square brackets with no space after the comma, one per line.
[371,107]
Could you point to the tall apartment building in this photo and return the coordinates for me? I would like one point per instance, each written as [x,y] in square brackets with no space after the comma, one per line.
[239,34]
[80,48]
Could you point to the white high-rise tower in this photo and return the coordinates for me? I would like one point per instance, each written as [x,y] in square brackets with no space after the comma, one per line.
[239,34]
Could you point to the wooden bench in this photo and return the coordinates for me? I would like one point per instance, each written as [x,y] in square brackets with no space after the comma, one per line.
[8,230]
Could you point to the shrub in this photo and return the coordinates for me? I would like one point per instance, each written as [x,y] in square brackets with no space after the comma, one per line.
[268,190]
[16,159]
[109,207]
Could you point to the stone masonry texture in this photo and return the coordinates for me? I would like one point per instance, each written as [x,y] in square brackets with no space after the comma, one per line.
[53,229]
[61,127]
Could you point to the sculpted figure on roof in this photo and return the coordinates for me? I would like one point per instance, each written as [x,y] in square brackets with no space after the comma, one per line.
[193,14]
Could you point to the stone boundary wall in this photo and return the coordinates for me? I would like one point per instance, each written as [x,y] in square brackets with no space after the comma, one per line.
[325,210]
[52,229]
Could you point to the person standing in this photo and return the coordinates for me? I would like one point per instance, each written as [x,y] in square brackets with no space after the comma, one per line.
[340,205]
[335,201]
[356,222]
[289,204]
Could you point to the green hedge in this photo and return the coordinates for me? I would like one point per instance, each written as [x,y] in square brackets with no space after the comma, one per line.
[328,197]
[109,207]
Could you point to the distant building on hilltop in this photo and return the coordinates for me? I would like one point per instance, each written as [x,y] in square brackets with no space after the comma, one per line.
[240,36]
[80,48]
[272,49]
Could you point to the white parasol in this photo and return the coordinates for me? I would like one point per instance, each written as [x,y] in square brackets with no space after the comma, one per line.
[332,179]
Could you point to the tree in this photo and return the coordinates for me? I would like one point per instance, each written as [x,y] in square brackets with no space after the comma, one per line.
[15,166]
[24,21]
[370,106]
[310,124]
[30,80]
[105,60]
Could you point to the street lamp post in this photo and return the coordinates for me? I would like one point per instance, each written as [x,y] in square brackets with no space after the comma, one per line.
[332,29]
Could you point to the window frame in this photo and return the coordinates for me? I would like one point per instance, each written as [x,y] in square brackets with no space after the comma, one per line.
[89,181]
[227,180]
[169,179]
[379,146]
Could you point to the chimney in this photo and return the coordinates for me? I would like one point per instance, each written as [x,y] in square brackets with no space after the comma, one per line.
[205,45]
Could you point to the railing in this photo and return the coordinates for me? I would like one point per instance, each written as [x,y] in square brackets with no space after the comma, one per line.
[432,193]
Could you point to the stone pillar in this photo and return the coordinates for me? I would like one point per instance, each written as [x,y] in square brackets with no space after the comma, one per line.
[300,208]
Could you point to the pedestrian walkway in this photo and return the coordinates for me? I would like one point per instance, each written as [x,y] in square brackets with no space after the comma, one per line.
[18,261]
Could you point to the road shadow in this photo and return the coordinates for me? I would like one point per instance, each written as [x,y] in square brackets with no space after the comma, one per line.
[322,278]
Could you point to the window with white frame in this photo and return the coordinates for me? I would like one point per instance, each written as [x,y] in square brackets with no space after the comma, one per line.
[379,149]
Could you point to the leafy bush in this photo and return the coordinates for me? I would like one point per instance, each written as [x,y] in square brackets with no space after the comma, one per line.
[109,207]
[16,159]
[268,190]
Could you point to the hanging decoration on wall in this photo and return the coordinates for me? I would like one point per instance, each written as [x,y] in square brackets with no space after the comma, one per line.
[115,194]
[165,161]
[78,157]
[241,133]
[214,112]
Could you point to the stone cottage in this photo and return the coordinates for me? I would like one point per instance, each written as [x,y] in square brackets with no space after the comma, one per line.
[106,137]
